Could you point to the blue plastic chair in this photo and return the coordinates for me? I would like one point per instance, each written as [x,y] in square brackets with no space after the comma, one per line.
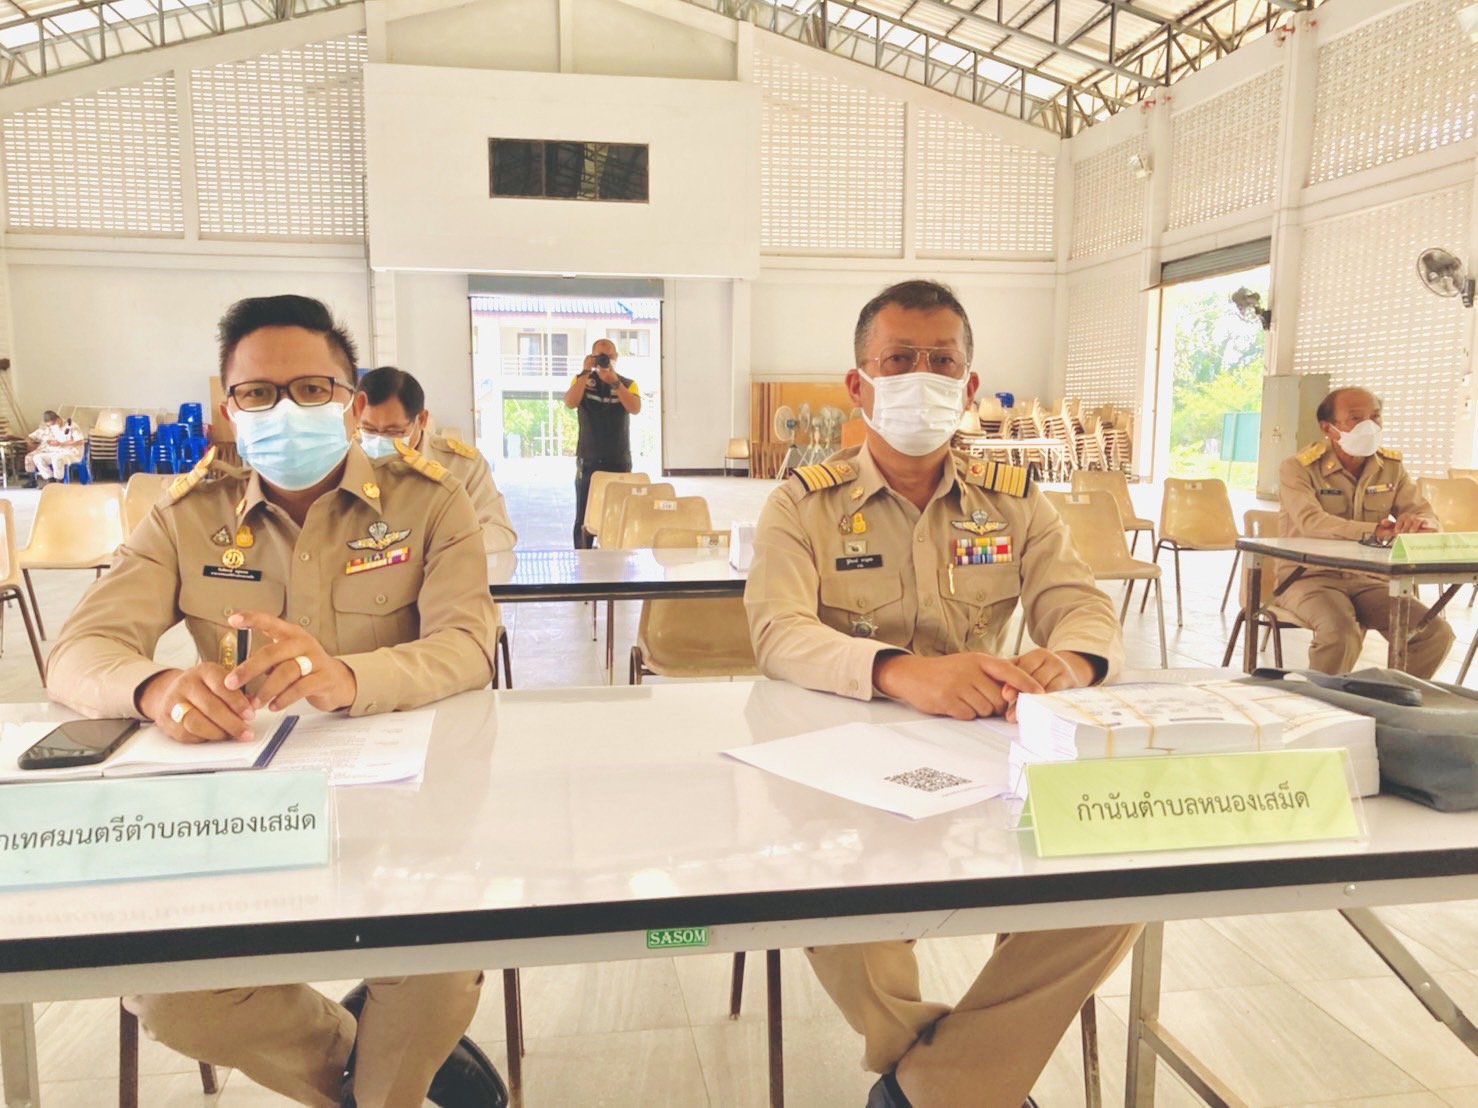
[82,470]
[164,456]
[193,417]
[193,450]
[133,455]
[137,425]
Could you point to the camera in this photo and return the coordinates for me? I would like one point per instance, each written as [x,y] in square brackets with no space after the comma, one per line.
[603,360]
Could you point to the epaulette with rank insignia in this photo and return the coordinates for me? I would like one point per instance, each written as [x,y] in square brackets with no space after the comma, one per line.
[421,464]
[185,483]
[1311,454]
[457,446]
[825,475]
[998,477]
[1389,452]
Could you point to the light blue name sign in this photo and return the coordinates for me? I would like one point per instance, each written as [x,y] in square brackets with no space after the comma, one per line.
[70,832]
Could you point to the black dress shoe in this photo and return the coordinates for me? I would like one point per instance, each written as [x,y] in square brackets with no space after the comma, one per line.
[467,1079]
[887,1094]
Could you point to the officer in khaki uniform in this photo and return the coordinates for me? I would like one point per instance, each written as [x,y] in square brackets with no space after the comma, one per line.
[364,586]
[390,409]
[1348,487]
[892,569]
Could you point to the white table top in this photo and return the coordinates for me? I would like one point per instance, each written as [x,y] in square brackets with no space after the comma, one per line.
[565,573]
[1349,554]
[552,825]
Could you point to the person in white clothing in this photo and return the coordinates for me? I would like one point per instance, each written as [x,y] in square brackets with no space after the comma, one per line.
[59,443]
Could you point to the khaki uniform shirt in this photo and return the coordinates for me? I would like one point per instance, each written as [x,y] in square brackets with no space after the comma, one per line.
[1318,499]
[468,466]
[415,624]
[845,568]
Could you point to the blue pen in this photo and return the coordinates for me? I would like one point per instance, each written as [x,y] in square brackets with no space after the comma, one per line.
[284,729]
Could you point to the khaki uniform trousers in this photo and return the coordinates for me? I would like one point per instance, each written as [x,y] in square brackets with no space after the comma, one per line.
[295,1041]
[990,1048]
[1339,609]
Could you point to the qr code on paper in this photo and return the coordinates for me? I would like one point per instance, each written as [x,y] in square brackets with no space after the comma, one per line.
[928,780]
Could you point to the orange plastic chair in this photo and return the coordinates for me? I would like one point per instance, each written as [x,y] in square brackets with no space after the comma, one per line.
[595,501]
[692,638]
[1470,474]
[76,527]
[1195,515]
[1261,524]
[646,515]
[1114,483]
[617,493]
[10,587]
[1097,531]
[1454,499]
[143,491]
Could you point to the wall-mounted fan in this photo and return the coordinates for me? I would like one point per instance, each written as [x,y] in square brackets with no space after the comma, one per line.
[1443,273]
[1249,307]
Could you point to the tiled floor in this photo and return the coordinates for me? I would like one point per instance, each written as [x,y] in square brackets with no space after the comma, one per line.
[1289,1010]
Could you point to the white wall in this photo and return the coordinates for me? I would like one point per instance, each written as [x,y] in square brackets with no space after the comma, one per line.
[802,323]
[428,130]
[434,342]
[696,408]
[145,337]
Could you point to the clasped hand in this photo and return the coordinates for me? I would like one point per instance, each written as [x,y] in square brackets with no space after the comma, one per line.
[206,702]
[969,686]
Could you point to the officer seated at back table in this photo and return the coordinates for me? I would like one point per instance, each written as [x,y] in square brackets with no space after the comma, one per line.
[390,409]
[892,570]
[1349,486]
[364,585]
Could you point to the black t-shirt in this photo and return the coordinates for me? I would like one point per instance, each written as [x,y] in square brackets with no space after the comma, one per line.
[605,426]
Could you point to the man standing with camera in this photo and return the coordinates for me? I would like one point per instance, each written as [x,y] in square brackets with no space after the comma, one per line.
[606,401]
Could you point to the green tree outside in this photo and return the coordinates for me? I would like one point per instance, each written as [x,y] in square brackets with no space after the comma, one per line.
[1218,368]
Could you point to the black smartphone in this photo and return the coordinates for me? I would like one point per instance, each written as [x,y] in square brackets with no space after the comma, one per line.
[79,742]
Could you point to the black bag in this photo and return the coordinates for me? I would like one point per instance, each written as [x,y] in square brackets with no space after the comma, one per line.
[1426,732]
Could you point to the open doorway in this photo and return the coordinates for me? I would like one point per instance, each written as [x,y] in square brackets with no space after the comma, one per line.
[525,351]
[1210,377]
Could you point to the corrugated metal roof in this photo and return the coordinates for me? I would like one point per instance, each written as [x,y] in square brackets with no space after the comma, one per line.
[635,311]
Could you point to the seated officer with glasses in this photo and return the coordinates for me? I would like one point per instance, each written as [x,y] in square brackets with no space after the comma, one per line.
[1349,486]
[364,587]
[390,408]
[892,569]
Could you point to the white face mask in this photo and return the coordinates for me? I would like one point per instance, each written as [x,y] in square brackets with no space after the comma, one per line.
[916,413]
[378,446]
[1361,440]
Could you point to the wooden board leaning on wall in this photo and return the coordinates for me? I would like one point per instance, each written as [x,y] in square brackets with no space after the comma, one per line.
[767,397]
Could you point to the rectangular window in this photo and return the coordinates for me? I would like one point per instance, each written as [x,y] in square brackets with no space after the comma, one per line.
[637,344]
[566,170]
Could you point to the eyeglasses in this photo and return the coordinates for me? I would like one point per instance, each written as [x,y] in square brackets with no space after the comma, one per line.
[944,360]
[306,392]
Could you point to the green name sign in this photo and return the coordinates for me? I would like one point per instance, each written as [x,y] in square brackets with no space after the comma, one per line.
[1436,546]
[1180,802]
[674,938]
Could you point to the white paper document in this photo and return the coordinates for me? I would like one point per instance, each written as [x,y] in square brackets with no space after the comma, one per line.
[363,750]
[913,769]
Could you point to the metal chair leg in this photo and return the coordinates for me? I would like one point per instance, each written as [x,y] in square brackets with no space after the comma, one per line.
[1227,592]
[1179,615]
[773,1026]
[31,590]
[634,677]
[507,657]
[1277,633]
[1088,1026]
[208,1082]
[1160,616]
[513,1027]
[128,1058]
[1226,659]
[1155,560]
[30,634]
[1021,632]
[1128,596]
[1462,673]
[736,985]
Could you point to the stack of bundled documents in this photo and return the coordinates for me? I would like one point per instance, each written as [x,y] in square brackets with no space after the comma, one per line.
[1137,720]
